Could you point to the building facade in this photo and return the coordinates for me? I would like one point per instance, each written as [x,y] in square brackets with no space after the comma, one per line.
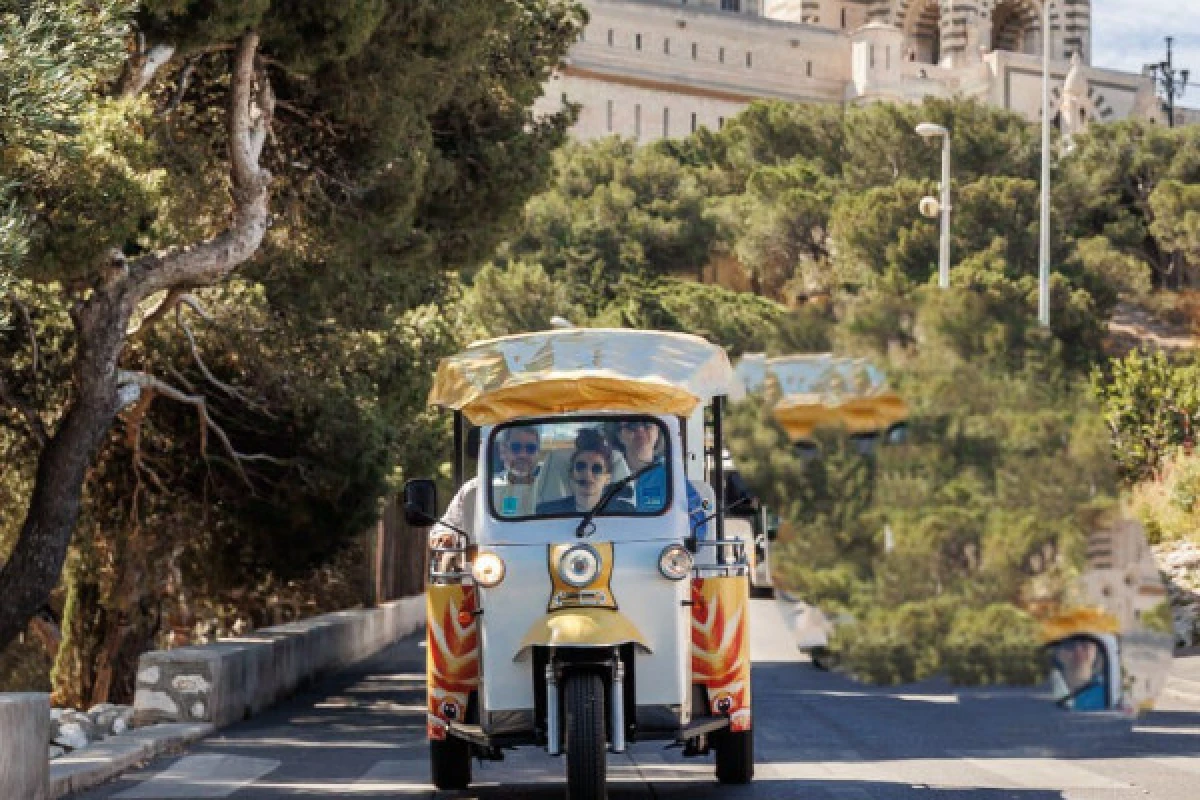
[662,68]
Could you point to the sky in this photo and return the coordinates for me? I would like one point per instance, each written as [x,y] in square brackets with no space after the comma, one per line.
[1129,33]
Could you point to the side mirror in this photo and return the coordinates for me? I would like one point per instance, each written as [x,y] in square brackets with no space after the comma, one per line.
[770,524]
[420,502]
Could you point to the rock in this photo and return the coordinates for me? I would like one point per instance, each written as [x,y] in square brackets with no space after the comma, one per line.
[71,736]
[55,751]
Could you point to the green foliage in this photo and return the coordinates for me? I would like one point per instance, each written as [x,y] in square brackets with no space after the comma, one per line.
[54,52]
[1127,181]
[403,148]
[1152,406]
[778,227]
[1169,507]
[1176,227]
[981,512]
[997,644]
[613,212]
[738,321]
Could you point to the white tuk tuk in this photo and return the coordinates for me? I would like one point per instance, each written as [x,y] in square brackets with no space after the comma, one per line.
[582,595]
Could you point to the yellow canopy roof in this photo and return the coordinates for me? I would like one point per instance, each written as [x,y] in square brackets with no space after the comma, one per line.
[581,369]
[1076,621]
[823,389]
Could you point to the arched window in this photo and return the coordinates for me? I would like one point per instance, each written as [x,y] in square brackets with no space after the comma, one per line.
[1016,27]
[924,29]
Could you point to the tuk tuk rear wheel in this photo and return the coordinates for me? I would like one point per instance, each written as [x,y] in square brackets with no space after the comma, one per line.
[585,741]
[450,763]
[735,756]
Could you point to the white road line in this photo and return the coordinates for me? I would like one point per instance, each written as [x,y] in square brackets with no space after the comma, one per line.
[201,777]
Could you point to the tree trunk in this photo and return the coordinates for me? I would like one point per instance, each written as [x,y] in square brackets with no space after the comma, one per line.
[101,322]
[33,569]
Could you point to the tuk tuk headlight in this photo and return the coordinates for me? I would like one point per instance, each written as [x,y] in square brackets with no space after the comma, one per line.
[579,566]
[488,570]
[675,563]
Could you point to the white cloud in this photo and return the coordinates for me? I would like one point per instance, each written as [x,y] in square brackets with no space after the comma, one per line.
[1126,34]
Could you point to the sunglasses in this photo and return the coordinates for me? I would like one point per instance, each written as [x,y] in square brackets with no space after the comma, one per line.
[636,426]
[529,448]
[597,469]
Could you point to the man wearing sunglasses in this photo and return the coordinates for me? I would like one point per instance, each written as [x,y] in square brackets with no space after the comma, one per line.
[513,489]
[640,440]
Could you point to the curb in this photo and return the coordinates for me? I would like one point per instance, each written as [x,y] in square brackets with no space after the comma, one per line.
[100,762]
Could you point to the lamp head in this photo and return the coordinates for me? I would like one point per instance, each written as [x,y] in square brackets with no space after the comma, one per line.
[929,130]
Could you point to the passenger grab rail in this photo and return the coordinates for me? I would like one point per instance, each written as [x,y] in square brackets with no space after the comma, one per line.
[720,559]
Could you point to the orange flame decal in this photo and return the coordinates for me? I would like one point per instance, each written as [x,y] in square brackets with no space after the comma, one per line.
[720,646]
[451,652]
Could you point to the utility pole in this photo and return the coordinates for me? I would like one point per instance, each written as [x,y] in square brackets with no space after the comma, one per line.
[1044,240]
[1173,82]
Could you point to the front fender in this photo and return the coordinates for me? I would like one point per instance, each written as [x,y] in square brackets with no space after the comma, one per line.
[582,627]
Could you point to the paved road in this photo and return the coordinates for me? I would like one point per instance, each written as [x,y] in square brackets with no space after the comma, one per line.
[819,736]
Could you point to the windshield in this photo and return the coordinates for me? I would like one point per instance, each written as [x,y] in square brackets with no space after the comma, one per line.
[562,468]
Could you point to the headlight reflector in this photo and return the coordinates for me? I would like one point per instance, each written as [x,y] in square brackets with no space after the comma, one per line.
[579,566]
[675,563]
[488,570]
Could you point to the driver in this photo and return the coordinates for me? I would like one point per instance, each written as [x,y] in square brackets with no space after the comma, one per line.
[591,473]
[512,489]
[640,440]
[518,447]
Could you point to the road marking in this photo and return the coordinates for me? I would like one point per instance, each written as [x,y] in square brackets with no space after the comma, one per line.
[201,777]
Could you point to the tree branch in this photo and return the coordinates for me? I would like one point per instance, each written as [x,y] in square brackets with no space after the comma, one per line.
[181,86]
[145,383]
[142,68]
[228,389]
[252,105]
[170,300]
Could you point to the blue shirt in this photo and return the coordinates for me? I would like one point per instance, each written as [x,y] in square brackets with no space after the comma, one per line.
[650,495]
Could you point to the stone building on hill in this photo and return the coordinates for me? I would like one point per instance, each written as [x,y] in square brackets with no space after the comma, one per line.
[662,68]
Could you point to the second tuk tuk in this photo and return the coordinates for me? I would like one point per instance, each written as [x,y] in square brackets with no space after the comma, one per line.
[806,392]
[582,595]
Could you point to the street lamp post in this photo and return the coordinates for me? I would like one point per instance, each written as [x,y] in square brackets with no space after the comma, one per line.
[1044,243]
[931,131]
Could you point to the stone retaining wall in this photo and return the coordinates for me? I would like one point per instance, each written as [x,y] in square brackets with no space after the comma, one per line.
[24,732]
[236,678]
[217,684]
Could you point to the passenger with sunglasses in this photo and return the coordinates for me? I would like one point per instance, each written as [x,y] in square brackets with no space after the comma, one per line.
[513,488]
[591,473]
[640,440]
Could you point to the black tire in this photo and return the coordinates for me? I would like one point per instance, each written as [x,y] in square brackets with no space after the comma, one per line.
[735,756]
[586,748]
[450,763]
[823,659]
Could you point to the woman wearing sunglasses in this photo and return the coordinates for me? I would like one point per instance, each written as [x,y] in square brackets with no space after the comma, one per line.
[591,473]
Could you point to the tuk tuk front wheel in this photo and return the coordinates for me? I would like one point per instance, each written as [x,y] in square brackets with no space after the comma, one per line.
[735,756]
[450,763]
[585,741]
